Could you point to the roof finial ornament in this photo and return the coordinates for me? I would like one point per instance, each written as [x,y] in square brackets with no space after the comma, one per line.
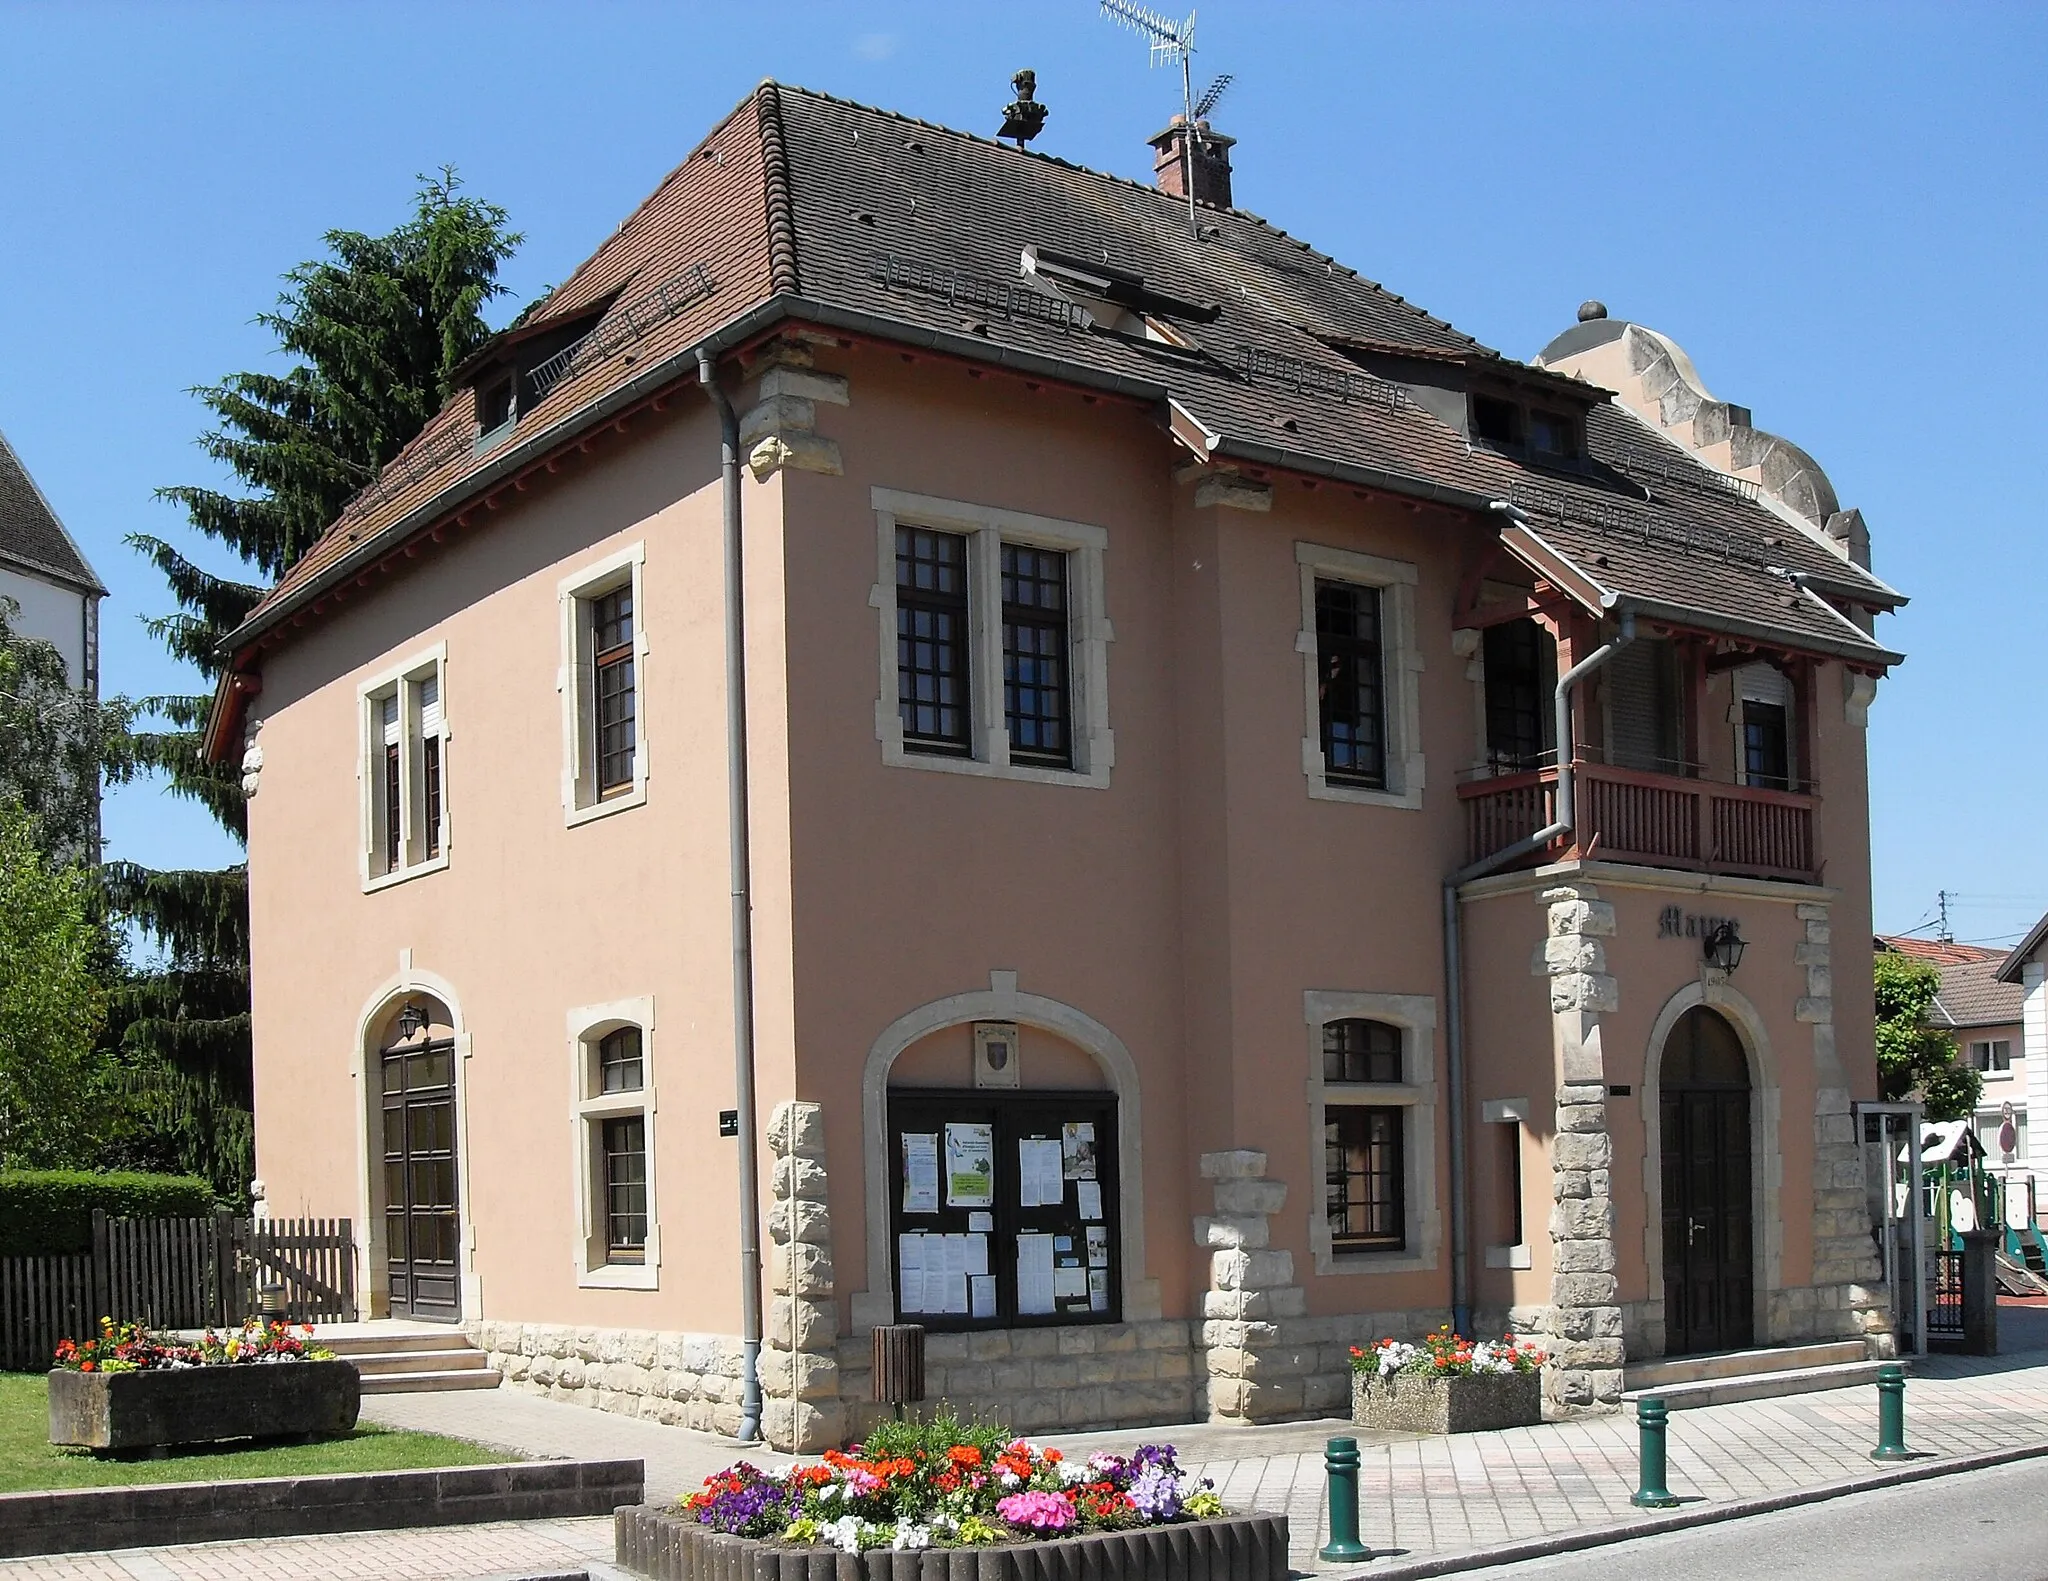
[1589,311]
[1025,119]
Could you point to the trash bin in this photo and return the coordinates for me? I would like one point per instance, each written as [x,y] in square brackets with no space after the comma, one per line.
[899,1364]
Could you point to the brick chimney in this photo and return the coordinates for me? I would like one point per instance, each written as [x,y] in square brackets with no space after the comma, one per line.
[1212,163]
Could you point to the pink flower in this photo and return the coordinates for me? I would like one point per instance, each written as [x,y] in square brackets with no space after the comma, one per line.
[1043,1513]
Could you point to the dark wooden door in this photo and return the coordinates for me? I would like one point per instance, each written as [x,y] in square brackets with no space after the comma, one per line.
[422,1223]
[1708,1293]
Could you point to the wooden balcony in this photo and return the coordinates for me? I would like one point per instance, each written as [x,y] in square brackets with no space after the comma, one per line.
[1657,820]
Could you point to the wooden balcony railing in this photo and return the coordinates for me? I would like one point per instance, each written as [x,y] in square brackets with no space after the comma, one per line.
[1658,820]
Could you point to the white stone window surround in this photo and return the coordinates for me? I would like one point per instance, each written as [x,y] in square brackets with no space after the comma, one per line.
[1089,634]
[401,681]
[589,1107]
[1515,1112]
[1415,1015]
[1401,666]
[576,680]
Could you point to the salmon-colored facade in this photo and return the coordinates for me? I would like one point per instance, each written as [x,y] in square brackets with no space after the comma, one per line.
[1155,935]
[1172,960]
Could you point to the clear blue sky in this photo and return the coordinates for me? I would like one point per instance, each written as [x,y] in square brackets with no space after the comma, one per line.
[1836,208]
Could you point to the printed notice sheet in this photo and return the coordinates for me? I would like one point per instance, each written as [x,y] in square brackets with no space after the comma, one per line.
[1090,1193]
[982,1294]
[910,1273]
[1034,1275]
[1040,1183]
[1077,1149]
[1098,1246]
[920,1172]
[1098,1290]
[970,1165]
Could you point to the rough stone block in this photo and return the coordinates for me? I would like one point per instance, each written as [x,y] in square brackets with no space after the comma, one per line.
[797,448]
[1235,1164]
[1573,952]
[816,1324]
[799,1220]
[805,384]
[1227,1232]
[1583,1257]
[1078,1341]
[1576,912]
[805,1271]
[988,1344]
[797,1129]
[777,414]
[1587,1323]
[1590,1220]
[1233,492]
[1813,1011]
[1250,1270]
[1592,991]
[1583,1290]
[1246,1197]
[796,1176]
[1582,1150]
[1282,1301]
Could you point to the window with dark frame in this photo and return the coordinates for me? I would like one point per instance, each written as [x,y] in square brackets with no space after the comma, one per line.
[1357,1050]
[613,720]
[1351,693]
[493,406]
[1766,745]
[1518,683]
[1553,436]
[1365,1191]
[932,640]
[430,779]
[394,846]
[1496,422]
[619,1065]
[625,1189]
[1992,1055]
[1036,703]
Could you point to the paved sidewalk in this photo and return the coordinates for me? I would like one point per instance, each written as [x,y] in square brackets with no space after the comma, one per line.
[1421,1498]
[678,1460]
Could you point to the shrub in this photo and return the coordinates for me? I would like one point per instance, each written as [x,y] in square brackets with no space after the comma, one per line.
[49,1211]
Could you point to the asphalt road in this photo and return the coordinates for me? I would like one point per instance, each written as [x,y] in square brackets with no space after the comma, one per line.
[1974,1526]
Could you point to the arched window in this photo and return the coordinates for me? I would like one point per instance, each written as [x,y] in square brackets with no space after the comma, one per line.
[617,1237]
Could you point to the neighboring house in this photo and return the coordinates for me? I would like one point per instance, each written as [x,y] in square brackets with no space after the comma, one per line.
[56,594]
[1982,1012]
[45,573]
[1141,660]
[2025,970]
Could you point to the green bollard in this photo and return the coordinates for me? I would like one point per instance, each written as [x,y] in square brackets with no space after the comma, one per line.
[1891,1415]
[1651,1494]
[1340,1461]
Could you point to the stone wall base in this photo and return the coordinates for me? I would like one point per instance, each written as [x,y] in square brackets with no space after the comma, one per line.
[677,1379]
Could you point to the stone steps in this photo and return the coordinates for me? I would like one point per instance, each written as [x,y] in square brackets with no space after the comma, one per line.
[1683,1382]
[409,1358]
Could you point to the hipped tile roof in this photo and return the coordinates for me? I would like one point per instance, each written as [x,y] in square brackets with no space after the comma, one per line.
[803,205]
[31,537]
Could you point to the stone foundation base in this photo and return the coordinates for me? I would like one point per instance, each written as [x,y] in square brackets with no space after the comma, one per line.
[679,1380]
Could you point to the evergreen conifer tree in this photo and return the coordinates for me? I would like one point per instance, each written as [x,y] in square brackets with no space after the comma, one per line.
[374,331]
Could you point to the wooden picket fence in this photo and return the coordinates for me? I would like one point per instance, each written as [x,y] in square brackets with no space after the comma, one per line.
[176,1274]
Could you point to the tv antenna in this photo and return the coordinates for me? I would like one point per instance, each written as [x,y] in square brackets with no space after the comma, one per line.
[1173,44]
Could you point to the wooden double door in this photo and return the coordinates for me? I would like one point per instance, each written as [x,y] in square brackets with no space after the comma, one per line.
[1708,1168]
[422,1218]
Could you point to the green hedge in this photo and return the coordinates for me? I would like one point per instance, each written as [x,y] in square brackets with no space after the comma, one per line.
[44,1211]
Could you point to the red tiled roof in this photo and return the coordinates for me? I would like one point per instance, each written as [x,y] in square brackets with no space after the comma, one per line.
[906,230]
[1942,952]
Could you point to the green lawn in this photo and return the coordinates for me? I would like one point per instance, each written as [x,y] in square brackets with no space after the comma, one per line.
[28,1462]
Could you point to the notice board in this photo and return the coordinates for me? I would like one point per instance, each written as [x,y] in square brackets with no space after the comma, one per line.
[1003,1209]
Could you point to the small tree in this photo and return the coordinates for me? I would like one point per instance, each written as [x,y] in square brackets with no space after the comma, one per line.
[1911,1054]
[59,738]
[54,1099]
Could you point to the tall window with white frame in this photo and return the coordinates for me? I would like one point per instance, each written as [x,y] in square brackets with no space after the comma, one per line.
[625,1150]
[1364,1155]
[933,641]
[407,806]
[614,1112]
[1036,704]
[613,714]
[1351,689]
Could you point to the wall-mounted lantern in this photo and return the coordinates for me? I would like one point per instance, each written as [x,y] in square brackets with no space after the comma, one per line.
[1724,947]
[411,1020]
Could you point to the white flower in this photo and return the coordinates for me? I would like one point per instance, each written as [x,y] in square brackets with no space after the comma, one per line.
[909,1536]
[1009,1479]
[843,1533]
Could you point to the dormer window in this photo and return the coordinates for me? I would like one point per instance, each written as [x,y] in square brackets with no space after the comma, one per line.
[493,405]
[1553,436]
[1496,422]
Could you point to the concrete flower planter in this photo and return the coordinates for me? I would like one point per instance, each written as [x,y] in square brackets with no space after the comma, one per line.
[656,1543]
[199,1405]
[1409,1402]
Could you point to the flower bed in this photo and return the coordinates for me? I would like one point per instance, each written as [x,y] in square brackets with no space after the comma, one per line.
[955,1503]
[126,1388]
[1447,1384]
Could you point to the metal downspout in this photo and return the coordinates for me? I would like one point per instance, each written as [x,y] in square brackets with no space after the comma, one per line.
[1454,968]
[742,908]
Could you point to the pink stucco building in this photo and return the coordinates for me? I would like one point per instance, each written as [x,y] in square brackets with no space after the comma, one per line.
[1174,947]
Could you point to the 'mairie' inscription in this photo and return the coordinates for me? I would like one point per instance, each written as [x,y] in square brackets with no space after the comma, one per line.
[1672,923]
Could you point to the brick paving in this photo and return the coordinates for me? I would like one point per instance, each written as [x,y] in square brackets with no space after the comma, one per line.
[1419,1496]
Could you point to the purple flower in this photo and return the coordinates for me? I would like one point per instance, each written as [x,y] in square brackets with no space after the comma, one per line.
[1155,1492]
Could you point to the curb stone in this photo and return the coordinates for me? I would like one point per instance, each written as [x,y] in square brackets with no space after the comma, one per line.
[1677,1520]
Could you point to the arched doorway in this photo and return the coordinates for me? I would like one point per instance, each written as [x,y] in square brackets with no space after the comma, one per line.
[413,1097]
[1704,1136]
